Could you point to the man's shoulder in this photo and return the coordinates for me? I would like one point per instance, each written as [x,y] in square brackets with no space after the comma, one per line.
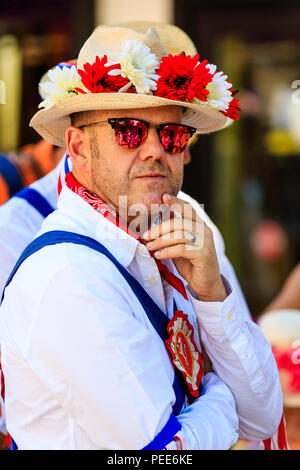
[17,214]
[61,274]
[63,267]
[47,186]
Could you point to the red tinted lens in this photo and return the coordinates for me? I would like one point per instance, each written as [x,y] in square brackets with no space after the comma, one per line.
[174,137]
[130,133]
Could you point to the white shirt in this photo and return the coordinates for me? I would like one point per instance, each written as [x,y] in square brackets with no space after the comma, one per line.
[114,390]
[20,221]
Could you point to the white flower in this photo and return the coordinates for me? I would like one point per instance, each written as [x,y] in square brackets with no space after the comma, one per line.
[62,84]
[138,65]
[219,90]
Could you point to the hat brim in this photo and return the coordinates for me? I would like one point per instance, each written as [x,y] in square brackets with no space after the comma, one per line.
[52,123]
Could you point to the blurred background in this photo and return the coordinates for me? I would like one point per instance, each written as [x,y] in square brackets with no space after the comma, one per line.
[247,176]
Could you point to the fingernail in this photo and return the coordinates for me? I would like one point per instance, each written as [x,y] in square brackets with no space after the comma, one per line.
[168,197]
[146,235]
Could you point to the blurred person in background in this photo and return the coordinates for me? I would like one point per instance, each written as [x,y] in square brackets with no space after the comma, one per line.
[280,323]
[282,329]
[21,216]
[30,163]
[20,220]
[289,295]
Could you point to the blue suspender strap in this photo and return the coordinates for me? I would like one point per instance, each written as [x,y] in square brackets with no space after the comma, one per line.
[157,317]
[35,199]
[166,435]
[159,320]
[13,445]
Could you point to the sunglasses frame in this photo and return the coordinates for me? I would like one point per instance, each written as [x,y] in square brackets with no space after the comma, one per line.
[158,127]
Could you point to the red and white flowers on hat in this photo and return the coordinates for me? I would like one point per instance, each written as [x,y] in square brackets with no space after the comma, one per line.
[137,64]
[183,78]
[62,84]
[136,69]
[97,77]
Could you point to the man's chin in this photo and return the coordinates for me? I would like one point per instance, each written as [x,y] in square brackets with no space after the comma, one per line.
[151,199]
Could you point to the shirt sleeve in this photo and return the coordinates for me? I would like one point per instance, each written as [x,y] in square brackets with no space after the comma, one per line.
[242,358]
[211,422]
[105,369]
[238,350]
[229,273]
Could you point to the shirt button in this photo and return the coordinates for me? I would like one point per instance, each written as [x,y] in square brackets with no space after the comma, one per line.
[139,249]
[151,279]
[229,316]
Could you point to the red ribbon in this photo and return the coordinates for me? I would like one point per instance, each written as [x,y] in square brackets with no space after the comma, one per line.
[278,442]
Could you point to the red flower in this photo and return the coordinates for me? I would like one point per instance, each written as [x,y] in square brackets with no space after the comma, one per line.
[181,79]
[96,79]
[233,111]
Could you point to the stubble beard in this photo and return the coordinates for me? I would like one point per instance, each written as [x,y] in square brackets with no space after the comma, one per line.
[117,193]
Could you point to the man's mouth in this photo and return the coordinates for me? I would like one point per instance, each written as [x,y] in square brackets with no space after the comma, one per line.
[152,175]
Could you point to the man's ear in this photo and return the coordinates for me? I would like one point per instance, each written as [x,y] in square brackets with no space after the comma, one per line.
[77,145]
[187,156]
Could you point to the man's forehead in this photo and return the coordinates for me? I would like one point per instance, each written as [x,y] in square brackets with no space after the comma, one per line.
[155,114]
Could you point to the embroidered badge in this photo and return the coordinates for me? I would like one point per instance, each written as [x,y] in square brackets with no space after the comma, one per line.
[183,349]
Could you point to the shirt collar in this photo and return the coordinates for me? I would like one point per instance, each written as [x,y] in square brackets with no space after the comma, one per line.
[89,222]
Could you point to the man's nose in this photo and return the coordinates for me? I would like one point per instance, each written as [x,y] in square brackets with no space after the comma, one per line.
[152,147]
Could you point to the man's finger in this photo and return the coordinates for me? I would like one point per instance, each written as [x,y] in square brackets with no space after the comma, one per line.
[168,227]
[180,206]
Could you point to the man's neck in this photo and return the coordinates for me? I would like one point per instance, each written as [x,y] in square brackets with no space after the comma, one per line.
[138,223]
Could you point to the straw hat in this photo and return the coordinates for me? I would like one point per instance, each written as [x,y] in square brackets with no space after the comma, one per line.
[282,330]
[174,39]
[115,42]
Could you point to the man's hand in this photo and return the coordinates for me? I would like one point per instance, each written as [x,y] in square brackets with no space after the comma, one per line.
[197,263]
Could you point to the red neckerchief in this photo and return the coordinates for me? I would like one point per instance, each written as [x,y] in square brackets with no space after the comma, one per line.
[104,209]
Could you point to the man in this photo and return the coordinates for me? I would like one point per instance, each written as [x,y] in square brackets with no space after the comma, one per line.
[282,329]
[22,216]
[79,333]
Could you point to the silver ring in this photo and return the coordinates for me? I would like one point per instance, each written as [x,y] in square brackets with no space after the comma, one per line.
[192,238]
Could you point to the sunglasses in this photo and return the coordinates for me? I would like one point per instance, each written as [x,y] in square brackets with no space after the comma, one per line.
[131,133]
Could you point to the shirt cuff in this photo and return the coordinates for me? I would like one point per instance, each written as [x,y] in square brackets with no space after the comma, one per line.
[218,317]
